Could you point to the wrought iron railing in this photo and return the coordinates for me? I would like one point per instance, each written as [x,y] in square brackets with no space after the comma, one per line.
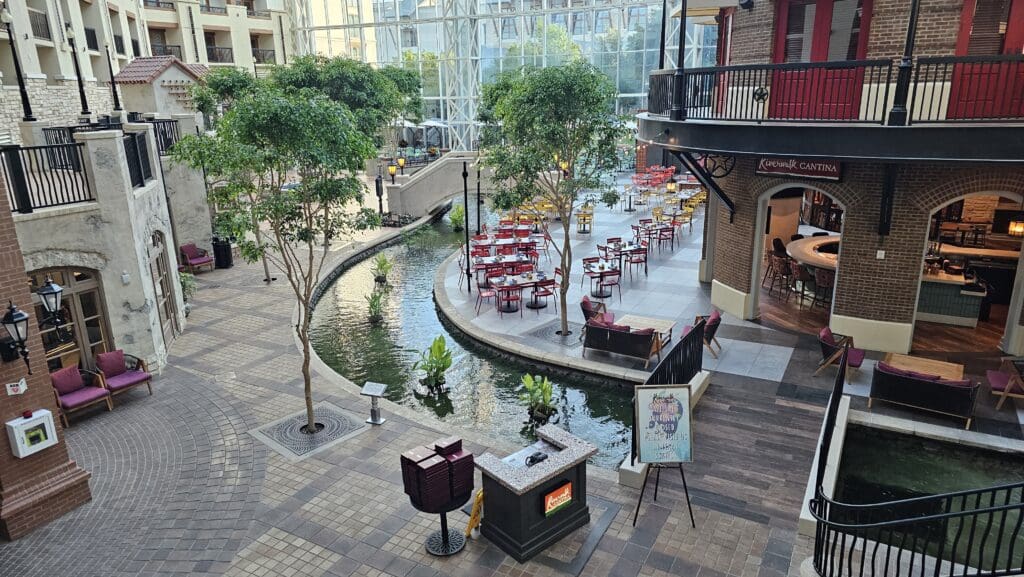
[263,56]
[119,44]
[158,4]
[91,41]
[683,361]
[659,95]
[137,152]
[45,176]
[209,9]
[220,54]
[166,133]
[974,533]
[258,13]
[40,24]
[968,89]
[167,50]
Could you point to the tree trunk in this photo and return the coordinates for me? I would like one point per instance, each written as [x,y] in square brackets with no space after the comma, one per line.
[263,258]
[566,270]
[307,377]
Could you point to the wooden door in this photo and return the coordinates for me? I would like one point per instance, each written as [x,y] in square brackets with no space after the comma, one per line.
[819,31]
[160,272]
[993,87]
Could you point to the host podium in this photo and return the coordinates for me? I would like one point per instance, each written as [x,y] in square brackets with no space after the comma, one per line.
[528,508]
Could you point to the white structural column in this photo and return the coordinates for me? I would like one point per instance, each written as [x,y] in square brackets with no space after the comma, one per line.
[461,70]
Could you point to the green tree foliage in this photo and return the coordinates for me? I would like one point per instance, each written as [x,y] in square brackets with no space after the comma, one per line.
[376,97]
[265,141]
[538,118]
[222,86]
[560,48]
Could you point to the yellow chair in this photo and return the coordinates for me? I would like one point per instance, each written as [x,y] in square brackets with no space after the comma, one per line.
[584,222]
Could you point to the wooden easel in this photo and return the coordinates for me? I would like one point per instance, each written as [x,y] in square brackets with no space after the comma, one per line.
[657,481]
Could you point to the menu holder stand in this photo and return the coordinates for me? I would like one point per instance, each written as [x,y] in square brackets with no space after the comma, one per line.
[446,542]
[439,479]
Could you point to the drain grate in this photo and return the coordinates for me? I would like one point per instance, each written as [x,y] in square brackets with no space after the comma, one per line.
[549,333]
[286,437]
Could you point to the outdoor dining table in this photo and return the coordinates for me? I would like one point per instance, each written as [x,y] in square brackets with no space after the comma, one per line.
[599,272]
[627,248]
[631,196]
[502,259]
[492,241]
[523,281]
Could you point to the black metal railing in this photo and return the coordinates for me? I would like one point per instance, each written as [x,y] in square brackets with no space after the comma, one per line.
[659,95]
[167,50]
[263,56]
[135,48]
[258,13]
[137,152]
[45,176]
[157,4]
[220,54]
[118,43]
[683,361]
[213,9]
[91,41]
[968,88]
[166,133]
[973,533]
[40,24]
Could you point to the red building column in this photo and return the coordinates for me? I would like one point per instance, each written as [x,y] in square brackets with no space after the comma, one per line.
[43,486]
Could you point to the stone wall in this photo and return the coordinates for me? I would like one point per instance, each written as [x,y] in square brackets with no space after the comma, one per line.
[186,193]
[43,486]
[55,103]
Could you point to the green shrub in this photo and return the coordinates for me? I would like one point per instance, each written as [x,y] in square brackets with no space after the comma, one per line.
[188,285]
[536,395]
[375,302]
[381,267]
[434,362]
[457,217]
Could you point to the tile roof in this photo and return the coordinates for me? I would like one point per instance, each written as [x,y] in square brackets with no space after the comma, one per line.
[146,69]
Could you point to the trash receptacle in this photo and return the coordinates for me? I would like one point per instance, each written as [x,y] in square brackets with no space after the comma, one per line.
[222,253]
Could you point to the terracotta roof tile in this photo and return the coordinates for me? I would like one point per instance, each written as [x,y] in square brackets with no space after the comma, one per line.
[146,69]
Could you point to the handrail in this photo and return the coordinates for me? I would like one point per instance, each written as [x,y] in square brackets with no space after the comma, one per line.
[829,65]
[45,176]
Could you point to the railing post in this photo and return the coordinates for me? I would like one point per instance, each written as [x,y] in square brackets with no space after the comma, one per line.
[898,114]
[16,178]
[678,93]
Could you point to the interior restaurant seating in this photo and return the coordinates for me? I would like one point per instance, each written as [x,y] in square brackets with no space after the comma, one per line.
[923,391]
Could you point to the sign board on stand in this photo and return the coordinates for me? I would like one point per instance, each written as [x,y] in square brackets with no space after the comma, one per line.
[664,434]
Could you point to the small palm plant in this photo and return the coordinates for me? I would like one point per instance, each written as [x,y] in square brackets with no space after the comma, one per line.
[381,267]
[375,302]
[457,218]
[434,362]
[536,395]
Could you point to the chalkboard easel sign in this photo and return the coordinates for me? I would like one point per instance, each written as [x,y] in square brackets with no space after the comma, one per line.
[664,433]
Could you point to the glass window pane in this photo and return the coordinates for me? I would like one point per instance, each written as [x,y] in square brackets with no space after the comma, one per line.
[94,331]
[89,301]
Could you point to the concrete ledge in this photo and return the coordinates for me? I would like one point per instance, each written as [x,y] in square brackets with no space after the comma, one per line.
[807,523]
[956,435]
[727,299]
[875,335]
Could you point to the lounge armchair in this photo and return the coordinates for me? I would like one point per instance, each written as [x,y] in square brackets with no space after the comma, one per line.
[639,344]
[832,351]
[711,324]
[195,258]
[1004,386]
[593,309]
[926,392]
[76,389]
[122,371]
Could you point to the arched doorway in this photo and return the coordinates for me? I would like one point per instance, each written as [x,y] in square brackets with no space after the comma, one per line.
[86,331]
[160,273]
[969,297]
[796,256]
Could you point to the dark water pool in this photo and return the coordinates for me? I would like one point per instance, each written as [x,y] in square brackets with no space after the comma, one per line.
[483,387]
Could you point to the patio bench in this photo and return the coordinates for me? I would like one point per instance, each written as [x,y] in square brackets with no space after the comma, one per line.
[925,392]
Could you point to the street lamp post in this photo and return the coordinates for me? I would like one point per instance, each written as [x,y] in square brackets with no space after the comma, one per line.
[113,85]
[392,170]
[26,106]
[379,185]
[78,69]
[478,200]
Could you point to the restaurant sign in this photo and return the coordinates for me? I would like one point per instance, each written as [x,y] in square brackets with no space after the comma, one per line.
[806,168]
[558,499]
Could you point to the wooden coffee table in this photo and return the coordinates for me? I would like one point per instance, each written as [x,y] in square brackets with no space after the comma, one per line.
[661,326]
[948,371]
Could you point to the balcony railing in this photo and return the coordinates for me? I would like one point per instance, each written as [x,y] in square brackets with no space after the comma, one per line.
[213,9]
[944,89]
[119,44]
[45,176]
[263,56]
[257,13]
[158,4]
[40,24]
[137,152]
[135,48]
[220,54]
[166,133]
[91,42]
[167,50]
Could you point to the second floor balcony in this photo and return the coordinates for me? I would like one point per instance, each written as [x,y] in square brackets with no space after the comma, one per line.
[158,4]
[845,109]
[263,56]
[220,54]
[167,50]
[212,9]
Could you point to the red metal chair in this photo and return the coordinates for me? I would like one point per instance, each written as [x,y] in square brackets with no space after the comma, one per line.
[611,280]
[587,262]
[545,289]
[637,258]
[509,294]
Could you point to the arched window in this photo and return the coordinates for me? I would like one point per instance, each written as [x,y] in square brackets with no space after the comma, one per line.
[86,326]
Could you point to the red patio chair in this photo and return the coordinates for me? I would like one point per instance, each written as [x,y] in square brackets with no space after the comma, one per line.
[73,394]
[122,371]
[545,289]
[195,258]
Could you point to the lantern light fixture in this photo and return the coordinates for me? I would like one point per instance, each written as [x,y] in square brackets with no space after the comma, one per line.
[392,170]
[16,323]
[401,164]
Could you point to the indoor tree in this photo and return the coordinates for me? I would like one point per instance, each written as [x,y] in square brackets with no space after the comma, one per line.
[265,139]
[550,133]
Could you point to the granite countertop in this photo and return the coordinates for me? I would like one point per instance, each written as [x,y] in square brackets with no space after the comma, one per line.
[568,451]
[942,276]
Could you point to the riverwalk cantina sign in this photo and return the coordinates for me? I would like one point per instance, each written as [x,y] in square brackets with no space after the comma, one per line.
[805,168]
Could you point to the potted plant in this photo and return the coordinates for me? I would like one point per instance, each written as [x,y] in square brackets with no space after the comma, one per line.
[536,396]
[188,289]
[610,198]
[375,302]
[457,218]
[434,362]
[381,267]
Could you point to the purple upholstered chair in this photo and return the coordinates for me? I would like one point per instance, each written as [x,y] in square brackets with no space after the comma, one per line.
[72,392]
[122,371]
[194,257]
[832,351]
[595,309]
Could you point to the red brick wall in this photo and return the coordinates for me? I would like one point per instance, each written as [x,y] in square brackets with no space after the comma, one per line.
[753,34]
[865,287]
[43,486]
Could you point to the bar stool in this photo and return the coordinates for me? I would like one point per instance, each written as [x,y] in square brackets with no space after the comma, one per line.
[824,280]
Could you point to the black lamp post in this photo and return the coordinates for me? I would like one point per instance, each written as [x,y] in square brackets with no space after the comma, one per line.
[26,106]
[478,200]
[465,202]
[392,169]
[50,294]
[113,85]
[379,184]
[78,69]
[16,323]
